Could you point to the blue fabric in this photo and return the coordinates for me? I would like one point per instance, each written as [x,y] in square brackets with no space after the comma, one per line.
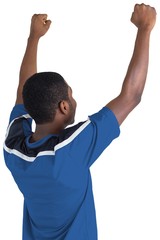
[53,174]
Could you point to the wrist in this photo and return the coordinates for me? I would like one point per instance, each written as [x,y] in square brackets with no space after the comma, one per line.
[145,32]
[145,29]
[33,38]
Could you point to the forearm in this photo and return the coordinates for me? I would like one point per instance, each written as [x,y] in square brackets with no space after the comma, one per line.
[29,62]
[28,65]
[135,79]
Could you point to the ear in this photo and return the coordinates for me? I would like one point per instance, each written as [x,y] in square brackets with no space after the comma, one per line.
[64,107]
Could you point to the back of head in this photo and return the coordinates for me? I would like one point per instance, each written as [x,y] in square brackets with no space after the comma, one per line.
[42,94]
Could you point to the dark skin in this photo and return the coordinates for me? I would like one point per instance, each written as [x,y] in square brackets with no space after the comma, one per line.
[144,18]
[64,116]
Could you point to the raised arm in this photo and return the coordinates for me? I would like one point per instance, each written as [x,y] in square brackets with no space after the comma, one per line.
[39,26]
[143,18]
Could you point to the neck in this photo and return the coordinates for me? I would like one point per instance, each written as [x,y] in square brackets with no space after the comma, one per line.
[42,130]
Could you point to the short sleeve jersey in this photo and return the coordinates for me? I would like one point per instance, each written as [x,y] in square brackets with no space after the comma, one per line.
[53,174]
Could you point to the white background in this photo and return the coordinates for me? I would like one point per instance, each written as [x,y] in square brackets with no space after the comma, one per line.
[90,43]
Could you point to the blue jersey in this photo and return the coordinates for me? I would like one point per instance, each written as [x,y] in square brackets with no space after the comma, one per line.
[53,174]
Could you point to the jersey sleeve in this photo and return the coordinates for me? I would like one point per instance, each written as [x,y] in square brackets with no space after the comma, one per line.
[20,125]
[104,129]
[88,142]
[17,112]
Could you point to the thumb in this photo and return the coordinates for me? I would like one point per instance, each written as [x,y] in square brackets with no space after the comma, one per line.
[48,23]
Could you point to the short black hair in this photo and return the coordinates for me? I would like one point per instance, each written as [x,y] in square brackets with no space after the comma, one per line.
[42,93]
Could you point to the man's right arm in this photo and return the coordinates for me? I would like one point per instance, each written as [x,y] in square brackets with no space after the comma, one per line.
[144,18]
[39,27]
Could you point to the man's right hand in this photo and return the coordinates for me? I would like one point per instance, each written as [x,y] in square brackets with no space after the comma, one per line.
[39,25]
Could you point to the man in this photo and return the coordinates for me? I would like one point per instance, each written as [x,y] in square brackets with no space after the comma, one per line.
[51,165]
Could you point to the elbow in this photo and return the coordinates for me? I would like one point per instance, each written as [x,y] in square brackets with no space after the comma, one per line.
[137,99]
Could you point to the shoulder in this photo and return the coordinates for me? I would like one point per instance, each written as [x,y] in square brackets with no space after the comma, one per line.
[18,111]
[104,116]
